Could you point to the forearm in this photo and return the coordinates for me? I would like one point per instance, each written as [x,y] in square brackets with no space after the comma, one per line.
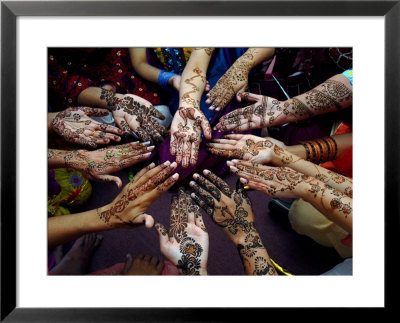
[333,95]
[254,255]
[66,228]
[98,97]
[343,141]
[255,56]
[339,182]
[57,158]
[50,118]
[336,206]
[142,67]
[193,79]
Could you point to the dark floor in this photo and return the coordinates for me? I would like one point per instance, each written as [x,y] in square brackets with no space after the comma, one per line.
[298,254]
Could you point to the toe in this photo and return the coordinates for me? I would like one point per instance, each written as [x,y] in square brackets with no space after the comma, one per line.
[154,260]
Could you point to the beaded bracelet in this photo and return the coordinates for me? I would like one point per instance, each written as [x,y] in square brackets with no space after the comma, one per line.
[164,77]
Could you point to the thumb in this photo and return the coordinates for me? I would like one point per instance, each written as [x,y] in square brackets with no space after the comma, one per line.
[128,264]
[162,233]
[147,219]
[109,178]
[238,94]
[205,125]
[249,97]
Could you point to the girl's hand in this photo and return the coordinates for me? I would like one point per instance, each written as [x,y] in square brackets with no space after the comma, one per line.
[75,126]
[186,243]
[246,147]
[136,197]
[98,164]
[133,113]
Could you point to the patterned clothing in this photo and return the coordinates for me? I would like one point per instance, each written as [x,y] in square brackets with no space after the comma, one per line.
[173,59]
[72,70]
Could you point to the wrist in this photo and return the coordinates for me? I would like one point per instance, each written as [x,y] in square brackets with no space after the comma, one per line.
[297,150]
[240,237]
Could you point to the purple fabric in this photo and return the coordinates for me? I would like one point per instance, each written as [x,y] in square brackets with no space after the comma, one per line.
[53,187]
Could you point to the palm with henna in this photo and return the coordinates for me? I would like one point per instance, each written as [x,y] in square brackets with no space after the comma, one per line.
[186,243]
[246,147]
[75,126]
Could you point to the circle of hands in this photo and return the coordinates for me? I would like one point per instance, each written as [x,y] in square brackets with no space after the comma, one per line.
[74,125]
[186,242]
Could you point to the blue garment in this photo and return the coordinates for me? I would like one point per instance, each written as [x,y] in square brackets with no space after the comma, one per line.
[220,62]
[349,74]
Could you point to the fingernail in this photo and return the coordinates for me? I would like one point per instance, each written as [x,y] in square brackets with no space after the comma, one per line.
[229,163]
[135,142]
[175,176]
[233,169]
[146,143]
[167,163]
[152,165]
[196,176]
[192,195]
[191,183]
[173,165]
[147,154]
[206,172]
[150,148]
[235,160]
[243,180]
[215,128]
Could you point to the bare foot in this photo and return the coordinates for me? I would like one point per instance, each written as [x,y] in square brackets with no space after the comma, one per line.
[76,260]
[143,265]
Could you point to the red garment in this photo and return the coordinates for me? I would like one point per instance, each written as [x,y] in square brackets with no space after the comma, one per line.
[344,163]
[72,70]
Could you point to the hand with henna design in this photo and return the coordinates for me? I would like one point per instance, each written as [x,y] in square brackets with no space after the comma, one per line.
[235,79]
[287,183]
[246,147]
[231,211]
[98,164]
[332,95]
[132,113]
[129,206]
[186,243]
[75,126]
[186,129]
[266,111]
[126,211]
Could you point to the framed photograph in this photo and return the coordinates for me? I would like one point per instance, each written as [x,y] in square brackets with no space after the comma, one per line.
[43,41]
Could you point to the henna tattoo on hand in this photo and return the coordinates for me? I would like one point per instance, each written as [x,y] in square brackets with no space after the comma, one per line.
[190,263]
[235,78]
[109,97]
[75,126]
[268,111]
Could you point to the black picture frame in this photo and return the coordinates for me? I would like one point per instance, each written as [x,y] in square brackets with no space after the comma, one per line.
[10,10]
